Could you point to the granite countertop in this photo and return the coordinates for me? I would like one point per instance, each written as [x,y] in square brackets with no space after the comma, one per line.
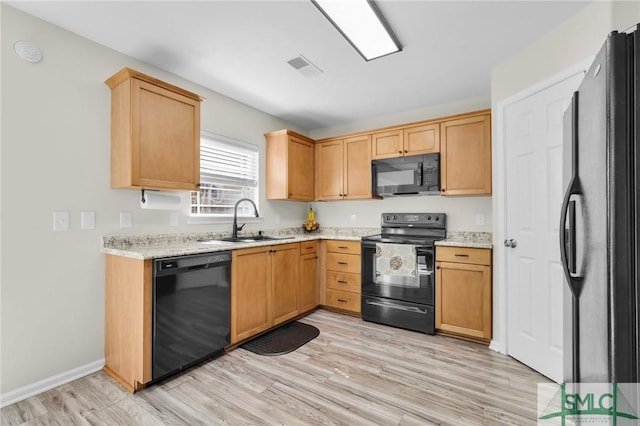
[168,245]
[467,239]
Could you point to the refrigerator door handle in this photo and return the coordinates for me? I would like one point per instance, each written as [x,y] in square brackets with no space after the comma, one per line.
[572,198]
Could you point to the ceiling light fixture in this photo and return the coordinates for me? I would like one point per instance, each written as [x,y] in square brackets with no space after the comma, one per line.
[362,24]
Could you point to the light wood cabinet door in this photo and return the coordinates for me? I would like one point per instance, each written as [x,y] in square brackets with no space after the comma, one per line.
[155,133]
[251,293]
[463,293]
[423,139]
[330,170]
[465,156]
[290,166]
[300,169]
[357,167]
[387,144]
[285,281]
[308,299]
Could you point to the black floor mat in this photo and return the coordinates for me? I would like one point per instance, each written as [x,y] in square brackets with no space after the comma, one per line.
[282,340]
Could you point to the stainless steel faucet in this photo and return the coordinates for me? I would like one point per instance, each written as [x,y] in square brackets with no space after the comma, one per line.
[237,228]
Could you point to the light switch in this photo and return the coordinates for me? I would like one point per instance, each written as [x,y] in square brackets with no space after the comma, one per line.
[126,219]
[60,221]
[87,220]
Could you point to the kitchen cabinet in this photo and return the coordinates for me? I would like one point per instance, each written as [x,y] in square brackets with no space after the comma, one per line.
[343,278]
[128,315]
[308,290]
[344,168]
[155,133]
[290,166]
[264,288]
[410,140]
[465,155]
[463,292]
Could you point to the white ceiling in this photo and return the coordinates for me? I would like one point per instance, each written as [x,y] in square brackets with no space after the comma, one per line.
[240,49]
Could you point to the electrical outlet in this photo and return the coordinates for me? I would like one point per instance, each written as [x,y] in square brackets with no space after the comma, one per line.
[60,221]
[126,219]
[174,219]
[480,220]
[277,219]
[87,220]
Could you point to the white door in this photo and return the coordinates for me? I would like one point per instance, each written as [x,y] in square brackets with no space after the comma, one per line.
[534,192]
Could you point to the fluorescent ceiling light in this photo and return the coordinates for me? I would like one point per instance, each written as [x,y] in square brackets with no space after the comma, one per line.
[362,24]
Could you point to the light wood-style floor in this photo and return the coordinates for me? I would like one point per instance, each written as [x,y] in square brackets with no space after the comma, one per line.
[354,373]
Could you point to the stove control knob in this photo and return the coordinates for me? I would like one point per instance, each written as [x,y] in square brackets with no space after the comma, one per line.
[437,218]
[428,217]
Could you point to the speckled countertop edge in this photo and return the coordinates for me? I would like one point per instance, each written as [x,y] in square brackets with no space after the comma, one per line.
[467,239]
[168,245]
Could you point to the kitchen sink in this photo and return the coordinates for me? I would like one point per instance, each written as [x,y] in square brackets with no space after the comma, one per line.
[247,239]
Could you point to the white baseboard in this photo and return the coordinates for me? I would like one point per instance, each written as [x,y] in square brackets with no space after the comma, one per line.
[25,392]
[497,346]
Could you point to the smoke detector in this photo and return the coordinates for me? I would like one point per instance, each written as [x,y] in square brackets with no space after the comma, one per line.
[304,66]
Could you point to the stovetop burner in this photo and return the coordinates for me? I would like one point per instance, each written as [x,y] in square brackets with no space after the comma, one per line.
[411,228]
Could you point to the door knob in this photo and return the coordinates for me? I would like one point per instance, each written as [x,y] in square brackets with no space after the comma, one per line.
[510,243]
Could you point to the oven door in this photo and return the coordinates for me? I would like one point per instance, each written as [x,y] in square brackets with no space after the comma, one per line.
[419,288]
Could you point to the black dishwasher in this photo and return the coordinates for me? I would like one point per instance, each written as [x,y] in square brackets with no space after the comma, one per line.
[191,310]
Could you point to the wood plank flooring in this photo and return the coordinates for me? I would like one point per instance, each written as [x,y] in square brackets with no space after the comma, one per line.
[354,373]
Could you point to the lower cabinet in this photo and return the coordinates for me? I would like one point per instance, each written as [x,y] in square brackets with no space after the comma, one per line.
[343,279]
[463,292]
[128,316]
[264,288]
[308,290]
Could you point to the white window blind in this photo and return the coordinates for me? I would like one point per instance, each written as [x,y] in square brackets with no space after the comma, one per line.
[228,172]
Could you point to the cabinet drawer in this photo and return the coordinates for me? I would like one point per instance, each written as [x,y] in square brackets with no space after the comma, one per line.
[350,247]
[463,255]
[308,247]
[343,263]
[344,281]
[343,300]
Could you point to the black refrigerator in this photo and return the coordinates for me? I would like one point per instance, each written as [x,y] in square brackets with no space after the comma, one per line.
[599,222]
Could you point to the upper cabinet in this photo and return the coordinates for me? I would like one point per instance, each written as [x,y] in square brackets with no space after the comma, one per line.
[465,155]
[344,168]
[155,133]
[290,166]
[413,140]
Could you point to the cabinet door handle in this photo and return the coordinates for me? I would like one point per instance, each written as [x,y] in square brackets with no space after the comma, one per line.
[461,255]
[309,248]
[342,263]
[405,151]
[342,281]
[400,152]
[342,300]
[343,247]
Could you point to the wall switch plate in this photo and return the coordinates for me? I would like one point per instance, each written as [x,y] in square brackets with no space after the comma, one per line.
[174,219]
[480,220]
[277,219]
[126,219]
[60,221]
[353,218]
[87,220]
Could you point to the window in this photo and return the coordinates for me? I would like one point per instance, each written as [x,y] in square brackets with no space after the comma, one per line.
[228,172]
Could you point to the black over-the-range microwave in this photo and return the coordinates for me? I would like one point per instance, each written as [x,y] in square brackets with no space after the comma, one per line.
[412,175]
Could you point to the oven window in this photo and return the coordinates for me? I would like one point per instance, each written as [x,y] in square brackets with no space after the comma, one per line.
[400,265]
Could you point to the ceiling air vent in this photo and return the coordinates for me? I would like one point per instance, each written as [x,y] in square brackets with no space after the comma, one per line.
[304,66]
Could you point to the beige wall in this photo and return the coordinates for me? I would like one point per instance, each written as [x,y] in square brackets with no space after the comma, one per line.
[575,40]
[55,156]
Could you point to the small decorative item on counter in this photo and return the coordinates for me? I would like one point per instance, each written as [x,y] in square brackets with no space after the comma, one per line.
[311,216]
[311,226]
